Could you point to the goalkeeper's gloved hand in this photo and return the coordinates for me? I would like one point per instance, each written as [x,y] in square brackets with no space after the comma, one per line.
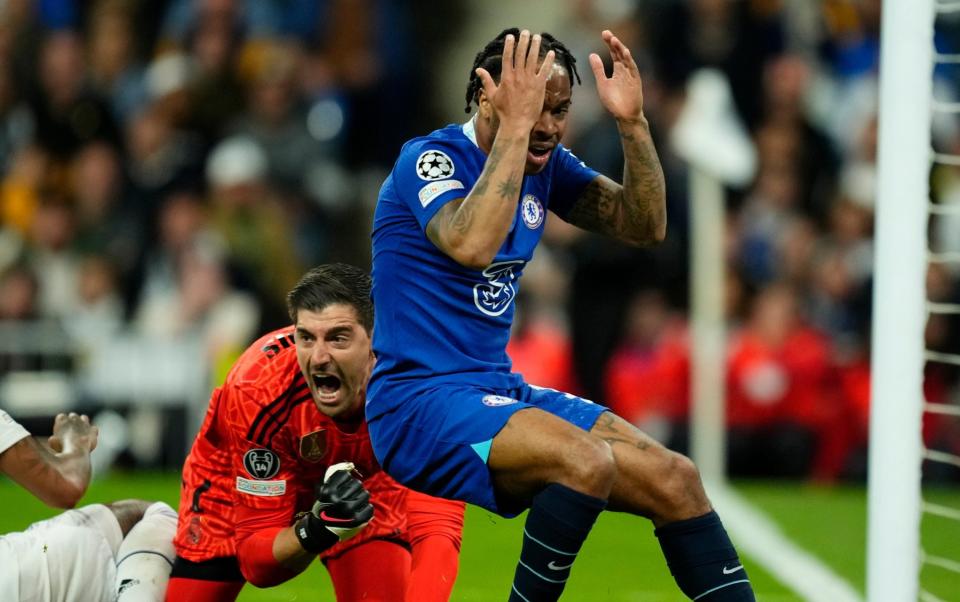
[342,509]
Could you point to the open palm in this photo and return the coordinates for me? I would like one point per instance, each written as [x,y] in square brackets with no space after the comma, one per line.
[622,93]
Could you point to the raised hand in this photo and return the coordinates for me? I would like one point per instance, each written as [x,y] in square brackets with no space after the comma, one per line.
[622,93]
[73,432]
[518,98]
[341,510]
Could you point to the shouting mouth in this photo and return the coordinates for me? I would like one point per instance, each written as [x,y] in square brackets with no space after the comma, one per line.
[327,386]
[539,154]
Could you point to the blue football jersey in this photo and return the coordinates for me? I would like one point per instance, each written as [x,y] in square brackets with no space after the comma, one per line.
[437,321]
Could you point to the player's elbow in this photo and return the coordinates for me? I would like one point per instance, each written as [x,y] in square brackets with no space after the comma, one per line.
[476,261]
[653,234]
[472,256]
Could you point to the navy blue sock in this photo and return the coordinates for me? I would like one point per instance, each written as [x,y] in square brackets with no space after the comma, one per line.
[557,524]
[703,561]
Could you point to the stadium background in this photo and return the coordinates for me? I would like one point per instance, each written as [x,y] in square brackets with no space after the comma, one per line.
[169,168]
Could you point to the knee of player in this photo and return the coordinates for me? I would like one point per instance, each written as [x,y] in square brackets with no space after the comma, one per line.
[591,463]
[681,481]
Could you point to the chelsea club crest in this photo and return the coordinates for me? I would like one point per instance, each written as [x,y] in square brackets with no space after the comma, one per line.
[532,211]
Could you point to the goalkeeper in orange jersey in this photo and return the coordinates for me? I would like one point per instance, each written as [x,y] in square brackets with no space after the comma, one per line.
[282,470]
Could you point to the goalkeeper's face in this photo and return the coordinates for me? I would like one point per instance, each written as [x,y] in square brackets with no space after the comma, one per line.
[334,354]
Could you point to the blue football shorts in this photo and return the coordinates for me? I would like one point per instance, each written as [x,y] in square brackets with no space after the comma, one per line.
[438,441]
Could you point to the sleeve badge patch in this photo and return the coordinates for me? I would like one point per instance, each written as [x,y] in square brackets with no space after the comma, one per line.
[434,189]
[313,445]
[261,463]
[434,165]
[262,488]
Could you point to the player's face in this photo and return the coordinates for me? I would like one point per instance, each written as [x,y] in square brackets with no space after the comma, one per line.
[334,354]
[551,125]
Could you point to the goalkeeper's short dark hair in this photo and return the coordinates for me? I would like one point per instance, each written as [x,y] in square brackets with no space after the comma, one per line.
[333,283]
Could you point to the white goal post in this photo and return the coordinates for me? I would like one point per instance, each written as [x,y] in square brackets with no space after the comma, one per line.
[899,293]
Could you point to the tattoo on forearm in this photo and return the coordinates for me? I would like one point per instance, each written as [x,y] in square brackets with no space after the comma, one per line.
[509,188]
[632,211]
[643,185]
[595,208]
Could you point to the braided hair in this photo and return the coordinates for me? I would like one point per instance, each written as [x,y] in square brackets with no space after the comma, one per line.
[491,57]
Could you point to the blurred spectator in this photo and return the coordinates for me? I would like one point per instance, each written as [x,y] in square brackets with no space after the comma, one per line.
[115,71]
[253,223]
[67,112]
[539,349]
[182,223]
[19,294]
[107,224]
[99,313]
[160,159]
[29,342]
[648,377]
[16,120]
[781,393]
[52,255]
[202,306]
[20,190]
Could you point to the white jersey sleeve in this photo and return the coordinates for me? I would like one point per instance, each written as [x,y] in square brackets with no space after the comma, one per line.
[11,432]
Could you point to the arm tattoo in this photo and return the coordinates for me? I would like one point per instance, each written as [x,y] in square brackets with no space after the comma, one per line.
[643,188]
[632,212]
[462,218]
[483,182]
[509,188]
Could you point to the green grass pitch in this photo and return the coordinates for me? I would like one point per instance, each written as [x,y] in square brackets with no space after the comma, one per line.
[620,561]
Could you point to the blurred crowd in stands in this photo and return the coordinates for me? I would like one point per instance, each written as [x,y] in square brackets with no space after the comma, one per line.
[169,168]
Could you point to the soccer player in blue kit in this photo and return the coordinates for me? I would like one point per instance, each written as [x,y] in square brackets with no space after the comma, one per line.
[456,222]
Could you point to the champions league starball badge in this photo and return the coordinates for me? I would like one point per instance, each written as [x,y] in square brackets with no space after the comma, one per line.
[434,165]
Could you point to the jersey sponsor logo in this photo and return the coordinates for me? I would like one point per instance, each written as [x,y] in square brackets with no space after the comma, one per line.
[261,463]
[262,488]
[531,209]
[494,296]
[435,189]
[495,401]
[313,445]
[434,165]
[728,571]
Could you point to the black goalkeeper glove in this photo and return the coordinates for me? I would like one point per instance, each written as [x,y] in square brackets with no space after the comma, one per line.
[342,509]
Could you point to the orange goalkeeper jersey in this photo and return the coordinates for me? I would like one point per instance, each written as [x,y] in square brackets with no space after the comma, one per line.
[262,448]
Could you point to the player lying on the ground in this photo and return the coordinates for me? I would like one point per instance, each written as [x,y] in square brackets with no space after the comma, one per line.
[456,223]
[118,552]
[93,553]
[259,500]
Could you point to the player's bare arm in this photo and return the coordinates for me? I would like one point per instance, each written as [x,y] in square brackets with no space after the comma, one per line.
[471,230]
[635,212]
[57,473]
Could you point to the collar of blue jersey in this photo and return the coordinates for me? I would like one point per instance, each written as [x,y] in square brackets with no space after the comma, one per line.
[470,130]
